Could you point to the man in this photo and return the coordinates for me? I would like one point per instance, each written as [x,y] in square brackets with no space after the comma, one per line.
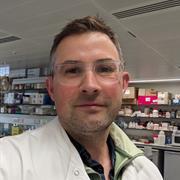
[87,83]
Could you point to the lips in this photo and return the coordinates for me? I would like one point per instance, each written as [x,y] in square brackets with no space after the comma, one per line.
[90,107]
[91,104]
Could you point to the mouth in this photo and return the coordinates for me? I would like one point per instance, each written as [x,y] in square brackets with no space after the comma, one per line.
[90,106]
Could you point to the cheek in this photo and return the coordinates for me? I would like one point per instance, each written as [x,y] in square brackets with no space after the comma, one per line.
[113,91]
[63,96]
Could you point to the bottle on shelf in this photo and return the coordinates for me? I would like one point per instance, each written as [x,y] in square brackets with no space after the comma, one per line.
[173,113]
[155,138]
[161,138]
[15,130]
[168,114]
[155,113]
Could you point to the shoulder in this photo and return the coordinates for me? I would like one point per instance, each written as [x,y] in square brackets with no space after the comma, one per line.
[26,154]
[51,133]
[33,145]
[141,168]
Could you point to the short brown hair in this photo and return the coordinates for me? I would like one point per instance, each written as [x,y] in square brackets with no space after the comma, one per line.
[83,25]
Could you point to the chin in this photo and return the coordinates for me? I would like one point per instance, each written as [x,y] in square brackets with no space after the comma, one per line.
[98,124]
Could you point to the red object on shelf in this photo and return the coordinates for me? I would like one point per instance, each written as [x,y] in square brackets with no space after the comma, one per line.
[145,100]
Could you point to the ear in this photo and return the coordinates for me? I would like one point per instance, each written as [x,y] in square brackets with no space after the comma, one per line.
[125,80]
[50,88]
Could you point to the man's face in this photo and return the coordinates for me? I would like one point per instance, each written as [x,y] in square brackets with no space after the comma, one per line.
[91,105]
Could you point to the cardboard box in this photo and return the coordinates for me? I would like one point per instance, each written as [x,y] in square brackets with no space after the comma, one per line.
[151,92]
[129,101]
[130,93]
[163,97]
[141,92]
[145,100]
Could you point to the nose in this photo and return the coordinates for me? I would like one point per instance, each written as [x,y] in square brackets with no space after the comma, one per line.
[89,84]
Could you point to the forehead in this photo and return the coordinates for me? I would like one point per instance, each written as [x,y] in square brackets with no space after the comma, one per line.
[86,47]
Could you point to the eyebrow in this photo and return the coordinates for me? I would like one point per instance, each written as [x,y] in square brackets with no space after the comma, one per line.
[79,61]
[71,61]
[105,59]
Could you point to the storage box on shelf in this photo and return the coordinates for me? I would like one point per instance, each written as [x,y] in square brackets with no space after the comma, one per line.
[145,100]
[130,96]
[130,93]
[164,97]
[150,92]
[147,96]
[129,101]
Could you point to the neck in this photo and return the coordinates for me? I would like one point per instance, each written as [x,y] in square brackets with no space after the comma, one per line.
[96,145]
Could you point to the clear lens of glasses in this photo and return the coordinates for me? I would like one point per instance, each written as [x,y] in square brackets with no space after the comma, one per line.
[72,73]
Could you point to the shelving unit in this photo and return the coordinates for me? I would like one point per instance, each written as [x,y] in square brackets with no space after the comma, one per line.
[32,80]
[24,119]
[30,92]
[27,112]
[24,105]
[23,122]
[151,130]
[141,131]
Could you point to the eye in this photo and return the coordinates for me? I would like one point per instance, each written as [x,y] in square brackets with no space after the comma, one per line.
[106,68]
[71,70]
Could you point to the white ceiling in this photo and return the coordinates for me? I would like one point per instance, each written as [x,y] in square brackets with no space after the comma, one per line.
[153,54]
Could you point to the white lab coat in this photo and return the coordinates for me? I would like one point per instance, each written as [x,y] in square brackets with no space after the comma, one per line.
[47,154]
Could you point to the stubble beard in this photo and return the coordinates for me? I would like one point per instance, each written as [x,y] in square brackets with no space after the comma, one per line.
[84,124]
